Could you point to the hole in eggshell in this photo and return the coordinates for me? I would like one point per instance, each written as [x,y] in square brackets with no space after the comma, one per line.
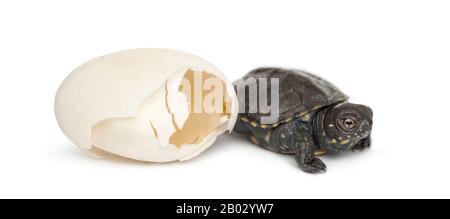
[167,125]
[201,121]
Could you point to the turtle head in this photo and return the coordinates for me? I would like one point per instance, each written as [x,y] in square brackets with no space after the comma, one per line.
[346,124]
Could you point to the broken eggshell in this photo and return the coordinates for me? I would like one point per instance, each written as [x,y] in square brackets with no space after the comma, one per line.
[146,104]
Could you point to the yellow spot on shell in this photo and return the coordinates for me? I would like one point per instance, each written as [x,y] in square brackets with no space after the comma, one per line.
[288,120]
[333,141]
[265,126]
[267,137]
[254,124]
[320,152]
[244,119]
[302,113]
[254,140]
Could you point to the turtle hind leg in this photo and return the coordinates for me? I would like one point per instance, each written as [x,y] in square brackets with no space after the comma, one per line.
[246,130]
[242,128]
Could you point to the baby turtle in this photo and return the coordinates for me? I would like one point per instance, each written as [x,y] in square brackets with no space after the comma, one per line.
[314,117]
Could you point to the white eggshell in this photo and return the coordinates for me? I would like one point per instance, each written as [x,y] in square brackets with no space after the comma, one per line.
[129,104]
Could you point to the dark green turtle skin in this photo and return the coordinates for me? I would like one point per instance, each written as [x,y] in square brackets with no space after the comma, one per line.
[315,117]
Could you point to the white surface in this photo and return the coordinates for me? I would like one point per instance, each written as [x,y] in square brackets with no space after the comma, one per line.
[391,55]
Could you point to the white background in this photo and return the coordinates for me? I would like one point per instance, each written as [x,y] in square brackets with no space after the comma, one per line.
[391,55]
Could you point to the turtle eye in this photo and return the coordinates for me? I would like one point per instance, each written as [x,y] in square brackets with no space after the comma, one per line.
[347,124]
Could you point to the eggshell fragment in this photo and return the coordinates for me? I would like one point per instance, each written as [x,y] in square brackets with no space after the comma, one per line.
[133,104]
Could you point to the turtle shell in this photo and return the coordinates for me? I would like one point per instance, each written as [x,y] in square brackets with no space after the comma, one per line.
[300,93]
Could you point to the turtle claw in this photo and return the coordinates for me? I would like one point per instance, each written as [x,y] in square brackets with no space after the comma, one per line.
[315,166]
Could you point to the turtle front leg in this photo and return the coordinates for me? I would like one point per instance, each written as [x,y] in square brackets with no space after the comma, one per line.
[295,136]
[305,154]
